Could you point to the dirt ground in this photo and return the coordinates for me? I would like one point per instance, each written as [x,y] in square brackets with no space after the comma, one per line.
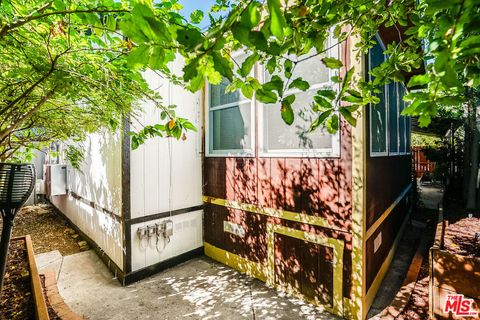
[460,237]
[16,302]
[417,306]
[48,229]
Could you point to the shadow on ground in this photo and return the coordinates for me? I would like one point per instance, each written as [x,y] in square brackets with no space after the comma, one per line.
[197,289]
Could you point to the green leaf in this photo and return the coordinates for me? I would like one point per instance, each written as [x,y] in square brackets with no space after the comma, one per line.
[265,96]
[271,65]
[190,37]
[418,80]
[276,83]
[332,124]
[288,67]
[327,93]
[196,16]
[290,99]
[332,63]
[190,70]
[138,57]
[287,112]
[248,64]
[320,120]
[222,65]
[247,90]
[336,79]
[347,115]
[188,125]
[321,103]
[242,34]
[299,83]
[346,81]
[251,16]
[352,99]
[277,20]
[111,23]
[424,120]
[450,79]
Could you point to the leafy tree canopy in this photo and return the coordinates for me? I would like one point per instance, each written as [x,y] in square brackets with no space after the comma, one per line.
[443,35]
[72,67]
[67,70]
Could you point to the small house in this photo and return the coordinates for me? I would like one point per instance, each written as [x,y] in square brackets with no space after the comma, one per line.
[318,215]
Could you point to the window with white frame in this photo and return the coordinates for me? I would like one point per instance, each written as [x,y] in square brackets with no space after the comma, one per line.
[230,121]
[389,130]
[279,139]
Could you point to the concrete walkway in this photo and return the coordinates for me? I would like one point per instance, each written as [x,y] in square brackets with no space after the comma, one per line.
[198,289]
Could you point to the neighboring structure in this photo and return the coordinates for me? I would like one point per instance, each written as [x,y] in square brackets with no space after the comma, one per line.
[317,214]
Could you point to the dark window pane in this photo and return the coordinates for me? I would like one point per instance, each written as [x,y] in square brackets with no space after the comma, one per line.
[402,119]
[393,117]
[378,120]
[219,97]
[230,128]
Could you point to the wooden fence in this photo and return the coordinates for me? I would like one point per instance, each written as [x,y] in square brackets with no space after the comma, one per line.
[420,162]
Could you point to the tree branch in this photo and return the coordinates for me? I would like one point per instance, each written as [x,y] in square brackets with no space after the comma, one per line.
[19,22]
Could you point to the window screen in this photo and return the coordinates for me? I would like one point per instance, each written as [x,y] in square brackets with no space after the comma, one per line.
[393,117]
[279,137]
[378,112]
[401,120]
[408,128]
[230,127]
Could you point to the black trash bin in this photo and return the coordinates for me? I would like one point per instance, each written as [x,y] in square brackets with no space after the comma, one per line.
[16,184]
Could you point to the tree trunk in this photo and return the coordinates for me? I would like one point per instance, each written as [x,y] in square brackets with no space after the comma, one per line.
[473,176]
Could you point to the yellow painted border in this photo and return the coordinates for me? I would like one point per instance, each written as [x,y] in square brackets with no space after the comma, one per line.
[384,268]
[337,246]
[387,212]
[276,213]
[254,269]
[266,273]
[357,303]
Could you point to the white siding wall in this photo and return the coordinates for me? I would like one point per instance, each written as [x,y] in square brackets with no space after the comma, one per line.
[98,181]
[157,189]
[187,235]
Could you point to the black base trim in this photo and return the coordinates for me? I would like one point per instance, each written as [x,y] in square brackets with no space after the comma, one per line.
[153,269]
[164,214]
[111,265]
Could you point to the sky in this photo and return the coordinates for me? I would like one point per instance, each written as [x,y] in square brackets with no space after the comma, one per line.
[191,5]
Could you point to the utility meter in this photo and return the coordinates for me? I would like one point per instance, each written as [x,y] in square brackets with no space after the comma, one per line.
[168,232]
[142,232]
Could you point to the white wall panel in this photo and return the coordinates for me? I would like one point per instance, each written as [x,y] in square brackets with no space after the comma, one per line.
[187,236]
[154,187]
[99,181]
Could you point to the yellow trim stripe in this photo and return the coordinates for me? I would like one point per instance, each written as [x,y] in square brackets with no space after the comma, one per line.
[276,213]
[254,269]
[387,212]
[337,246]
[384,268]
[356,307]
[266,273]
